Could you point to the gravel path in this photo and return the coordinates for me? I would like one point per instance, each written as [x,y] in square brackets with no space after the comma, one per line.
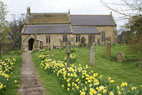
[31,84]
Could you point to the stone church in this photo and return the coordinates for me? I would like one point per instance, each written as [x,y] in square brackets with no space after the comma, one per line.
[53,29]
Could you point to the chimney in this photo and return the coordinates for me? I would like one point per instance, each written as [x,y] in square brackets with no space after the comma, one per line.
[28,11]
[69,11]
[69,16]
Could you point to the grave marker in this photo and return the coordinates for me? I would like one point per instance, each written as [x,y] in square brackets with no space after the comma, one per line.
[92,56]
[90,41]
[98,41]
[108,47]
[68,54]
[49,49]
[120,57]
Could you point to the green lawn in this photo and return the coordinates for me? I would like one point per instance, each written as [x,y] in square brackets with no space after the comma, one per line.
[50,81]
[120,72]
[12,87]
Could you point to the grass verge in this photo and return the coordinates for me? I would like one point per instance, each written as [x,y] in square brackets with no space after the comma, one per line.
[13,86]
[50,81]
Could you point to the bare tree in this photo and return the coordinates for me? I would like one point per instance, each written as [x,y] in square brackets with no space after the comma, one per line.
[15,31]
[126,8]
[132,11]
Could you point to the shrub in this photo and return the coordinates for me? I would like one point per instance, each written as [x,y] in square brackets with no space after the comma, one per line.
[83,40]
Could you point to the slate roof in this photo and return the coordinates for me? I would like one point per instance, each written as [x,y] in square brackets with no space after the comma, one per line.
[59,29]
[84,30]
[47,29]
[59,23]
[64,18]
[47,18]
[92,20]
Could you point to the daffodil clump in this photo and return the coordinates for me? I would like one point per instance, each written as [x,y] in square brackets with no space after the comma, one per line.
[78,80]
[6,68]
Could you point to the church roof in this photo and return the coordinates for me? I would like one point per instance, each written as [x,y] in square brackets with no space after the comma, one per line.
[97,20]
[47,29]
[84,30]
[59,29]
[66,18]
[64,23]
[47,18]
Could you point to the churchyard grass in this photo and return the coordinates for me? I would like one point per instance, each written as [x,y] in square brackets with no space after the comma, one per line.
[120,72]
[50,81]
[13,82]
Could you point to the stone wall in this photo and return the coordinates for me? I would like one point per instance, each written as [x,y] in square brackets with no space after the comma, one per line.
[54,38]
[109,31]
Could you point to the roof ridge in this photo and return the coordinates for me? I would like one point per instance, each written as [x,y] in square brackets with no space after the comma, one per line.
[89,15]
[74,14]
[47,25]
[49,13]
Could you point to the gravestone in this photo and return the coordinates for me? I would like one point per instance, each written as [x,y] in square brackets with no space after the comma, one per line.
[49,51]
[61,43]
[120,57]
[68,54]
[108,47]
[90,41]
[98,41]
[92,56]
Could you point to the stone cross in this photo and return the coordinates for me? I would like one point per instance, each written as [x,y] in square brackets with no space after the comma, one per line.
[92,56]
[90,41]
[49,50]
[61,43]
[68,54]
[108,48]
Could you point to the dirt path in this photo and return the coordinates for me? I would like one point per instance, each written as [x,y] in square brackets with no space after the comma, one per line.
[31,84]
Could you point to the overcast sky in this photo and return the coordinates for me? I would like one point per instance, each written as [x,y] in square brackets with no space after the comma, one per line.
[18,7]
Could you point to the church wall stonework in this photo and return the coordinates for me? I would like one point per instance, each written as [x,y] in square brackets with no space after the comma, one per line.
[60,24]
[110,31]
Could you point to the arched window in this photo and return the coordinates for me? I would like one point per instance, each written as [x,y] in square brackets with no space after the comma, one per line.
[77,38]
[48,39]
[94,39]
[65,38]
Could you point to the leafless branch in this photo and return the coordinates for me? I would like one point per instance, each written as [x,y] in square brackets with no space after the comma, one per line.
[126,8]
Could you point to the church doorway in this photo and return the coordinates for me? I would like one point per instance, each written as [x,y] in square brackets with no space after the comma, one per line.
[31,43]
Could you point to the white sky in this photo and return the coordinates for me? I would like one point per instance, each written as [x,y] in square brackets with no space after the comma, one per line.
[18,7]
